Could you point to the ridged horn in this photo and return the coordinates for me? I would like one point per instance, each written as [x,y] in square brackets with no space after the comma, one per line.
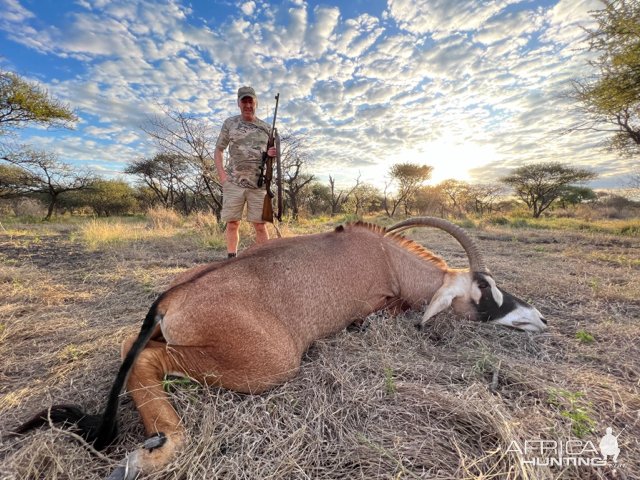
[476,259]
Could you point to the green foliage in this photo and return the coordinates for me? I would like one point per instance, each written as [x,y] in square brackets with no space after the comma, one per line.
[71,353]
[185,386]
[485,363]
[612,95]
[23,102]
[43,174]
[539,185]
[390,387]
[169,176]
[104,197]
[575,408]
[318,199]
[573,195]
[14,180]
[364,200]
[408,177]
[410,173]
[584,337]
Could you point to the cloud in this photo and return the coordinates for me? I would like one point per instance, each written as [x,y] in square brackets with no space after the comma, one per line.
[318,34]
[357,35]
[472,84]
[13,12]
[567,19]
[248,8]
[443,17]
[508,26]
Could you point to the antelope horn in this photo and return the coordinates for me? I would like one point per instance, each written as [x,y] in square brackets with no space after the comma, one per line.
[476,259]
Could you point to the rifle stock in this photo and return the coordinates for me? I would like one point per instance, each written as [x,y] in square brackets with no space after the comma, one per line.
[267,205]
[267,209]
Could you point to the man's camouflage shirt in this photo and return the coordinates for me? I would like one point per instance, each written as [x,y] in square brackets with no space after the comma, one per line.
[246,142]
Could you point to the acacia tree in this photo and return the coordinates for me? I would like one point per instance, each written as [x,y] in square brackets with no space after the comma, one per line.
[14,181]
[610,99]
[364,199]
[23,103]
[539,185]
[169,177]
[43,173]
[294,159]
[339,196]
[573,195]
[33,172]
[483,197]
[316,198]
[431,200]
[455,195]
[408,177]
[192,139]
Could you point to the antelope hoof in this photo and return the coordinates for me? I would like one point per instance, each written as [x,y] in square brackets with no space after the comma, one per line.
[123,473]
[156,452]
[154,442]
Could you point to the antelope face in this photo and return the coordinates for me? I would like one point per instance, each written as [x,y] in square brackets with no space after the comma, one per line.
[492,304]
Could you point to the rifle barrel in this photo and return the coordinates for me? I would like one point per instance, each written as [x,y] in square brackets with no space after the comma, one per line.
[275,114]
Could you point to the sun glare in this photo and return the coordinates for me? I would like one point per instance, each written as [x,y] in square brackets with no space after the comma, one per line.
[449,158]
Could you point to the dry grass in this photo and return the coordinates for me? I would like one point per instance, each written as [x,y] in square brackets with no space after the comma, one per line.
[162,218]
[387,402]
[100,232]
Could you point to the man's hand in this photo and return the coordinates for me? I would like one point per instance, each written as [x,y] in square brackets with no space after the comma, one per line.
[217,160]
[272,152]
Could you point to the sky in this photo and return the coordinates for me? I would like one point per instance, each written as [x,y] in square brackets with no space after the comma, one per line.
[474,88]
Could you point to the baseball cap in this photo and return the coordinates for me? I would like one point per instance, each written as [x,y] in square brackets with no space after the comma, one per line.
[247,92]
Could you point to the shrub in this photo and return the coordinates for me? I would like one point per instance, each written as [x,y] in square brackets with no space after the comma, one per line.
[499,220]
[29,207]
[164,218]
[203,220]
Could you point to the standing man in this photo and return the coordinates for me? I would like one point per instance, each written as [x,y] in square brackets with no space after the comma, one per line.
[246,136]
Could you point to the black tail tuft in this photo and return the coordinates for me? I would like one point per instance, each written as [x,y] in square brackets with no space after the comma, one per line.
[69,416]
[100,430]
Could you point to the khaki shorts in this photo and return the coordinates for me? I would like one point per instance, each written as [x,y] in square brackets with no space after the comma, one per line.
[234,198]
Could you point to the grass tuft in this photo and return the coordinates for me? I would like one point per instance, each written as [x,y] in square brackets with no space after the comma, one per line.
[100,232]
[575,408]
[584,337]
[161,218]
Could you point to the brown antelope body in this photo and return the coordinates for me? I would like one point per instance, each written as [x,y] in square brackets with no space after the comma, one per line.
[244,324]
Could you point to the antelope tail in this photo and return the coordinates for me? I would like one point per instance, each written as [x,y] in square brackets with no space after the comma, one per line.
[100,430]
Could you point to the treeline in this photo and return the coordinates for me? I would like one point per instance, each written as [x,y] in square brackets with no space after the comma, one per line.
[450,198]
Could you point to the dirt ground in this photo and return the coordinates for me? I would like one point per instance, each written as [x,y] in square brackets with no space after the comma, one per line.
[458,400]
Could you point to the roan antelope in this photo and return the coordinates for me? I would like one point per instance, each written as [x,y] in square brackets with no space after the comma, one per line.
[244,324]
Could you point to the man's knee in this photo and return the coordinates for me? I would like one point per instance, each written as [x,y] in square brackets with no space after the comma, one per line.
[262,234]
[233,225]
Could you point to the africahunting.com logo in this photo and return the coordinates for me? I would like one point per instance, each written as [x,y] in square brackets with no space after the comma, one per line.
[562,453]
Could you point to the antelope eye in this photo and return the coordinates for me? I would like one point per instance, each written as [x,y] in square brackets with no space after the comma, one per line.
[483,284]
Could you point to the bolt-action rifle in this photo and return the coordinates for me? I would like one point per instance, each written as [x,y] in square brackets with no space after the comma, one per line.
[266,172]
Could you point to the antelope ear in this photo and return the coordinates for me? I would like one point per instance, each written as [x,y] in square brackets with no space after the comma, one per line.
[440,301]
[495,292]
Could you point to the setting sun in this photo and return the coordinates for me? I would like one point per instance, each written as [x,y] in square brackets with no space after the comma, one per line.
[449,158]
